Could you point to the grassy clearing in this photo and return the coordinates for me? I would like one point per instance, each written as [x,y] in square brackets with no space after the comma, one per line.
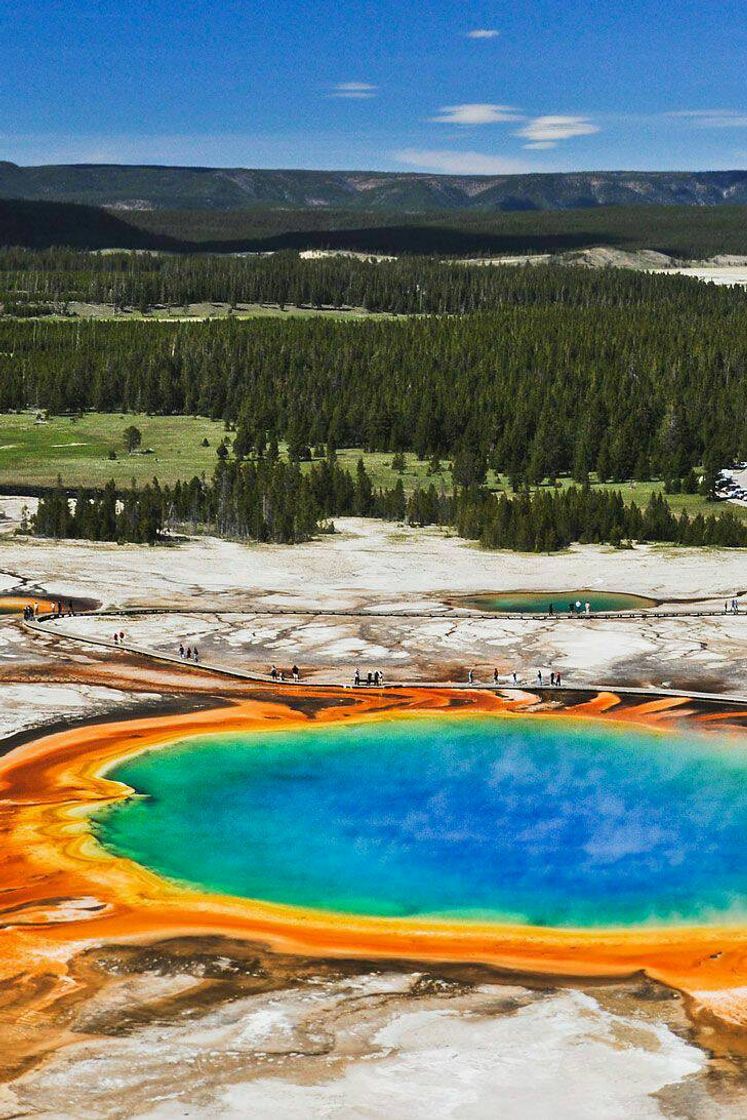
[379,467]
[79,449]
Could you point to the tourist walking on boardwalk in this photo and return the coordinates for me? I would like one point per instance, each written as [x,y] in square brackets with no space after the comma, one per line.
[557,680]
[495,676]
[539,677]
[295,672]
[195,654]
[369,678]
[587,608]
[274,673]
[181,650]
[116,637]
[551,610]
[470,676]
[552,678]
[514,678]
[357,677]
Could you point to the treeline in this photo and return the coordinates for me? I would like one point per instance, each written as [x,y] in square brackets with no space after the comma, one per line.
[268,500]
[631,377]
[272,500]
[101,515]
[547,521]
[691,232]
[408,285]
[681,231]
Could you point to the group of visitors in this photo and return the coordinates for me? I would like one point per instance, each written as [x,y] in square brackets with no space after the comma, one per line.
[31,610]
[731,608]
[574,609]
[119,637]
[279,674]
[555,678]
[555,681]
[375,679]
[191,653]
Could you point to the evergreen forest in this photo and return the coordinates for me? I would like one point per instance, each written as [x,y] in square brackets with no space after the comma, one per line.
[534,372]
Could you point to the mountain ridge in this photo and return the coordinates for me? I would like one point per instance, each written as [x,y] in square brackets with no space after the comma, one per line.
[156,187]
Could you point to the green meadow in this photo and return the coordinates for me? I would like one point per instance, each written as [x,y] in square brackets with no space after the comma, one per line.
[173,448]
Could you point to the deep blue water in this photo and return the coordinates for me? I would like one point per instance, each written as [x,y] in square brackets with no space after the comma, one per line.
[547,821]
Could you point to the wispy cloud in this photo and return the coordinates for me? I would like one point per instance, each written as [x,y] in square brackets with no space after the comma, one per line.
[548,130]
[354,91]
[712,118]
[483,33]
[477,113]
[459,163]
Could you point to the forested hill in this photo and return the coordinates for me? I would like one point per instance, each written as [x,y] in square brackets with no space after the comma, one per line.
[683,232]
[218,188]
[621,374]
[37,225]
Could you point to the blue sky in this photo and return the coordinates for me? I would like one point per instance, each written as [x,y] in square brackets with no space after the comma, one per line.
[539,85]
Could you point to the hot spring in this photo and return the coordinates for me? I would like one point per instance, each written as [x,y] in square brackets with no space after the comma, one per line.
[544,820]
[562,602]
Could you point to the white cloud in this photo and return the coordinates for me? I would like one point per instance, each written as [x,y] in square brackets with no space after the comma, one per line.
[460,163]
[712,118]
[550,129]
[540,145]
[483,33]
[477,113]
[354,91]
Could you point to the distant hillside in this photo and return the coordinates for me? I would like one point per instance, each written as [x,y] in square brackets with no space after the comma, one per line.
[689,232]
[211,188]
[37,225]
[685,232]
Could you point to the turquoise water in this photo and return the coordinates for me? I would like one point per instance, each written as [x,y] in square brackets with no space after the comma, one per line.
[539,602]
[546,821]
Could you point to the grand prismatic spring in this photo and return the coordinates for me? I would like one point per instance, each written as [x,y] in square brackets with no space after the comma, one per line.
[476,817]
[594,840]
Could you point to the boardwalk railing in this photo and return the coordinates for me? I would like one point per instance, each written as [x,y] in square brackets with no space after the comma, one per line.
[42,625]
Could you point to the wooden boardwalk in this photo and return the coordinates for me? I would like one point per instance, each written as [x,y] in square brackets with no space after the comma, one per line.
[443,612]
[42,625]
